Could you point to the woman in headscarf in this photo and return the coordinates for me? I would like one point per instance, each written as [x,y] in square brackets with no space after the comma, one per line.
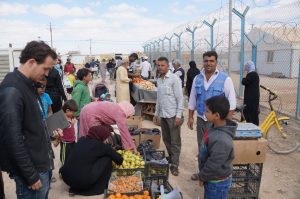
[251,93]
[96,113]
[191,74]
[122,82]
[89,166]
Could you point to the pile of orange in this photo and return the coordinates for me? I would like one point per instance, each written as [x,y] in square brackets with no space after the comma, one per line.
[121,196]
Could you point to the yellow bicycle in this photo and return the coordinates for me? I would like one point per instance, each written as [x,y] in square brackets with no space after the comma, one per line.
[283,137]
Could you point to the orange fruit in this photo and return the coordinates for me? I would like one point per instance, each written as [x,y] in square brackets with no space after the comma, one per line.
[111,197]
[118,195]
[146,193]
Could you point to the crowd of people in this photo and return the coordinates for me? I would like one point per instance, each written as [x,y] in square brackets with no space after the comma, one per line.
[36,90]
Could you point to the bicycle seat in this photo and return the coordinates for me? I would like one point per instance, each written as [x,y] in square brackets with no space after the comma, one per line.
[240,108]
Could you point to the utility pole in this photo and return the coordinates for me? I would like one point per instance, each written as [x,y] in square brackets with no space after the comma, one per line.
[230,36]
[90,46]
[51,35]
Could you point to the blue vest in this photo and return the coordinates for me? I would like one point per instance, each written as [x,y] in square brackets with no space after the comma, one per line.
[216,88]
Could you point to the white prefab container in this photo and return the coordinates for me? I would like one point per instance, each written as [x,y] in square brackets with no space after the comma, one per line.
[9,59]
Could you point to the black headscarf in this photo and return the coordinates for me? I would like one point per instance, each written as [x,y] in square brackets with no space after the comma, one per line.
[191,74]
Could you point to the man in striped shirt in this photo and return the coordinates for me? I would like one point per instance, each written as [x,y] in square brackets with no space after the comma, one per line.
[169,107]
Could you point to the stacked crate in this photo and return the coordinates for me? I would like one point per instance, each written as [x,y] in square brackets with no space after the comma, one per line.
[250,154]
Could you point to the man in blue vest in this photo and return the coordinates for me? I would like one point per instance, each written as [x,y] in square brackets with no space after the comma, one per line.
[210,82]
[179,71]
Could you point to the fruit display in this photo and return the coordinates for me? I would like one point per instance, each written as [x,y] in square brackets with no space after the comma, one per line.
[144,84]
[137,80]
[130,161]
[126,184]
[145,195]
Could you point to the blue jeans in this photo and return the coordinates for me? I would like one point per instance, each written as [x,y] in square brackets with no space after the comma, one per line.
[23,192]
[218,190]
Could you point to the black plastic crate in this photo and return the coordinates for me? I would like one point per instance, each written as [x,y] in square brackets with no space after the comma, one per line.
[106,193]
[244,190]
[152,184]
[246,180]
[155,168]
[245,172]
[128,172]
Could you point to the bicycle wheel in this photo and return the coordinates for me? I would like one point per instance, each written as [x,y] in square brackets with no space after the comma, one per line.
[281,145]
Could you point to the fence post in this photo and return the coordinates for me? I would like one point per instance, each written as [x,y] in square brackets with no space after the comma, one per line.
[298,94]
[211,26]
[178,55]
[242,58]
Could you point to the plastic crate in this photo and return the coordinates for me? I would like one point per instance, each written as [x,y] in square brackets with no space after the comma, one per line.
[114,176]
[106,193]
[244,190]
[152,184]
[155,168]
[128,172]
[246,180]
[245,172]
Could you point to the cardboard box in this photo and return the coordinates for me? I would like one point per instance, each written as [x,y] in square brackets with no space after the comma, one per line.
[155,139]
[136,139]
[250,151]
[134,121]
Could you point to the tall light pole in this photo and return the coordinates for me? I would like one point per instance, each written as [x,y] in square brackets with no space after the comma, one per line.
[51,35]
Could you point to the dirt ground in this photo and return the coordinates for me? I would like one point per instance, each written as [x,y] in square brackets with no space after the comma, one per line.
[280,179]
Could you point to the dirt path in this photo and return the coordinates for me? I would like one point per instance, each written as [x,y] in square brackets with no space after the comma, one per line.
[280,180]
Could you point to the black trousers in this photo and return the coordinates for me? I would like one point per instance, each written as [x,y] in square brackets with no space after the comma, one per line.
[2,195]
[132,101]
[57,103]
[251,113]
[100,175]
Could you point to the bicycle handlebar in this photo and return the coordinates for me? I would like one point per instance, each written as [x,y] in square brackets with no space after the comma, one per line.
[267,89]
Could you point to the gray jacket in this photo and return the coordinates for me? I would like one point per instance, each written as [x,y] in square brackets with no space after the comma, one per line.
[216,152]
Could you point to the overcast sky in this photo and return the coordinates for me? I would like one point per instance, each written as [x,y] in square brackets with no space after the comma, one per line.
[112,25]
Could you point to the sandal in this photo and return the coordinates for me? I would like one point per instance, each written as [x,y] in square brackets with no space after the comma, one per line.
[53,179]
[195,177]
[174,171]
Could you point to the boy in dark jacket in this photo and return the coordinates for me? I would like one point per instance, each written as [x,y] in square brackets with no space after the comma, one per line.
[216,151]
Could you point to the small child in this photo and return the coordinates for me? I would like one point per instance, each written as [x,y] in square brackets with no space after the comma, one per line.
[216,151]
[45,98]
[68,138]
[71,77]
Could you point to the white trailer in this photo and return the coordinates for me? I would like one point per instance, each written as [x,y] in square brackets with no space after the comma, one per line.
[9,59]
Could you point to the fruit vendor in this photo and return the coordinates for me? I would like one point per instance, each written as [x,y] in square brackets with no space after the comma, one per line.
[89,166]
[96,113]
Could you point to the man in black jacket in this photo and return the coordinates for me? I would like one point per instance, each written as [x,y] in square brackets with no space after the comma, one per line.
[25,148]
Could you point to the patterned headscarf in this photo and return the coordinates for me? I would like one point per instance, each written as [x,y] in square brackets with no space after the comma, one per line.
[249,66]
[127,108]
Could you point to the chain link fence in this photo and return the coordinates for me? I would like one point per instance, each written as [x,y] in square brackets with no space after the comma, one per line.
[271,40]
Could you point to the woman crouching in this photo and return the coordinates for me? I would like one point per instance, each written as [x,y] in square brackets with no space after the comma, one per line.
[89,166]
